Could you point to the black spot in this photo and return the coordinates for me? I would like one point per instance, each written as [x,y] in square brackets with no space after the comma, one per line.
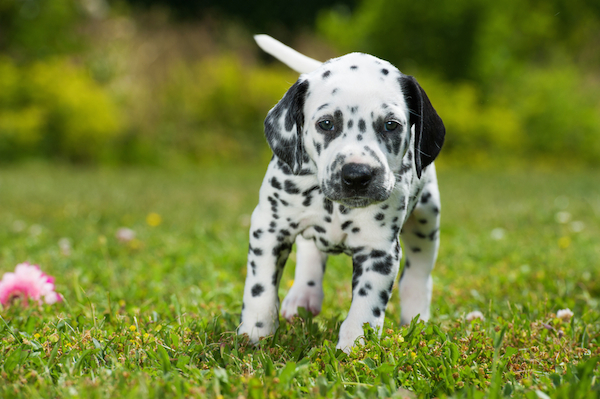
[334,92]
[275,183]
[353,67]
[253,267]
[355,250]
[344,210]
[350,124]
[355,230]
[284,232]
[359,137]
[338,123]
[283,202]
[319,229]
[322,106]
[383,266]
[357,270]
[378,254]
[290,187]
[385,71]
[362,126]
[359,259]
[416,249]
[419,234]
[433,235]
[307,201]
[405,167]
[407,264]
[294,225]
[328,205]
[257,289]
[376,312]
[362,292]
[257,233]
[385,297]
[281,248]
[327,219]
[346,224]
[379,216]
[324,241]
[257,251]
[284,168]
[435,210]
[275,277]
[326,74]
[425,197]
[354,109]
[385,206]
[423,221]
[318,148]
[311,283]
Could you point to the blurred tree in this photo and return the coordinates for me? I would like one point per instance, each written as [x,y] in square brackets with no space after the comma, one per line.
[259,15]
[33,29]
[469,39]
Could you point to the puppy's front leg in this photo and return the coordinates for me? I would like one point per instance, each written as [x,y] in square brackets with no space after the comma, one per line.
[268,251]
[374,273]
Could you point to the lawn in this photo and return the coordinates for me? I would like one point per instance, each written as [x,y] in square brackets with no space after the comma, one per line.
[156,316]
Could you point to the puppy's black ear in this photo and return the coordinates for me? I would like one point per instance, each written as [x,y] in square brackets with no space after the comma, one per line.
[284,124]
[429,128]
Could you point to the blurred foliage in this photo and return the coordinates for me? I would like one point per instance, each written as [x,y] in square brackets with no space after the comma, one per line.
[283,16]
[469,39]
[213,110]
[513,79]
[31,29]
[54,109]
[101,82]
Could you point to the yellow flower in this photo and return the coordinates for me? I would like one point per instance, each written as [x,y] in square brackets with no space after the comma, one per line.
[153,219]
[132,328]
[564,242]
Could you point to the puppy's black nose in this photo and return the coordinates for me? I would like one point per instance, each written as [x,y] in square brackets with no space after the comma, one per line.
[356,175]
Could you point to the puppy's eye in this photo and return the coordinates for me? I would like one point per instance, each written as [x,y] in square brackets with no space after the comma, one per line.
[326,124]
[390,126]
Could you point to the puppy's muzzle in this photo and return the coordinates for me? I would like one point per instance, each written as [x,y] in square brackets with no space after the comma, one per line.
[356,177]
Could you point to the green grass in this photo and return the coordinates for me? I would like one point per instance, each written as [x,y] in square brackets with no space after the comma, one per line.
[156,317]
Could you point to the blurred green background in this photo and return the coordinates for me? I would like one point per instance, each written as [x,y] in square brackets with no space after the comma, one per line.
[182,82]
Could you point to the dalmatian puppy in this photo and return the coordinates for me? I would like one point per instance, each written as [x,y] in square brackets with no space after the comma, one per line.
[354,141]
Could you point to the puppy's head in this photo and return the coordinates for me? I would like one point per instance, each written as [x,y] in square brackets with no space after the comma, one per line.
[355,119]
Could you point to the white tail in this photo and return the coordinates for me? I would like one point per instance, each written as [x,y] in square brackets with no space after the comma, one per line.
[290,57]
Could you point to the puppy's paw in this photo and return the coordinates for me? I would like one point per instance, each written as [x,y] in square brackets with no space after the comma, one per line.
[306,296]
[257,330]
[348,335]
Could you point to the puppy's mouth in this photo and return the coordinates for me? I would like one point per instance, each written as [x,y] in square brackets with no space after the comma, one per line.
[356,202]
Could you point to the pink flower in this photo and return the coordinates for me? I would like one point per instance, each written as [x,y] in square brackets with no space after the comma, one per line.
[28,282]
[125,235]
[476,314]
[564,314]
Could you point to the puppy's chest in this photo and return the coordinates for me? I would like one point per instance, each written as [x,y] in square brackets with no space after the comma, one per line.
[335,228]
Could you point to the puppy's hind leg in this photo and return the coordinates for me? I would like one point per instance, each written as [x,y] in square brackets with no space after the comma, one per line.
[420,235]
[307,291]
